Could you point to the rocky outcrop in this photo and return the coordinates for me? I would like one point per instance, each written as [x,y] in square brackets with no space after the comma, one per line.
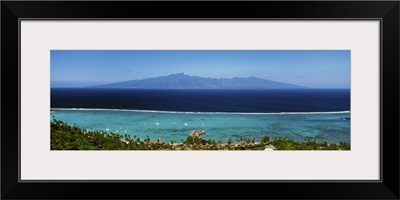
[269,147]
[198,133]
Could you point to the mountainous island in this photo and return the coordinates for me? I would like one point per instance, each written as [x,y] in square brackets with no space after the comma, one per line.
[184,81]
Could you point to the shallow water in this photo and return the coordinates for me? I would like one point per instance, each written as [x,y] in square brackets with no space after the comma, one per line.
[332,127]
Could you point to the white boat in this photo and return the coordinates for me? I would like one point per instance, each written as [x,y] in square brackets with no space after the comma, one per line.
[157,123]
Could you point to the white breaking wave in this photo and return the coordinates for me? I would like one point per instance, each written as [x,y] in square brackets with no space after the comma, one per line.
[201,113]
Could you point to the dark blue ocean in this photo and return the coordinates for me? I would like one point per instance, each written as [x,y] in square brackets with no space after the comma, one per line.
[247,101]
[224,114]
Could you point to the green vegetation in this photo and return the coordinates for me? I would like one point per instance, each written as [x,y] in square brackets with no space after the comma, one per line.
[310,144]
[66,137]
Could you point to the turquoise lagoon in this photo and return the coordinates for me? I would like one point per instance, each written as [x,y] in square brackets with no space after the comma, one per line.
[331,127]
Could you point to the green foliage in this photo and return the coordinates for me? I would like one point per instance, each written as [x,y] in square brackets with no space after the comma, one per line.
[189,140]
[332,147]
[310,144]
[265,139]
[344,146]
[324,144]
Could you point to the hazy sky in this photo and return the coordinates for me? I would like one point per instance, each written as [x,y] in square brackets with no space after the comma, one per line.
[314,69]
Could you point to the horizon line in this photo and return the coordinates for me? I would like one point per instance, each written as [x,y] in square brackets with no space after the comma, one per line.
[93,87]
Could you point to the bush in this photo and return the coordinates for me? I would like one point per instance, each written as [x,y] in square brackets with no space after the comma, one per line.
[344,146]
[332,147]
[265,139]
[189,140]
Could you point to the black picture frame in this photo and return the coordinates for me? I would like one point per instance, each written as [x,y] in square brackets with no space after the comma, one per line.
[386,11]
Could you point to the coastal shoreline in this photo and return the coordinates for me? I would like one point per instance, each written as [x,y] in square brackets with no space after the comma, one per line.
[66,137]
[332,128]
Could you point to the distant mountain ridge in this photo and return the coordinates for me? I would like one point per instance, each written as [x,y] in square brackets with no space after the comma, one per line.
[184,81]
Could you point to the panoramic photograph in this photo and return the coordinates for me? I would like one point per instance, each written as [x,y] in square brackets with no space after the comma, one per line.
[267,100]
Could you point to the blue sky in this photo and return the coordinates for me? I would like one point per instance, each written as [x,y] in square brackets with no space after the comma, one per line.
[314,69]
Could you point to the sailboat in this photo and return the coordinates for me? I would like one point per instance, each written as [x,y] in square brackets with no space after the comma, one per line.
[108,129]
[157,123]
